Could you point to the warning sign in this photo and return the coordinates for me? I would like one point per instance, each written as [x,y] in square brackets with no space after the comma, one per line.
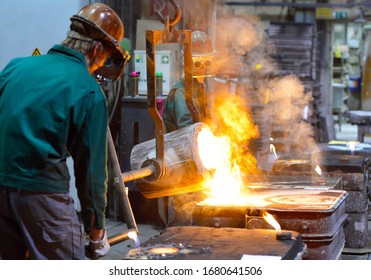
[36,52]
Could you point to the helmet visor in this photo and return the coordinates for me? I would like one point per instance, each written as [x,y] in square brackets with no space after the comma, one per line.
[114,64]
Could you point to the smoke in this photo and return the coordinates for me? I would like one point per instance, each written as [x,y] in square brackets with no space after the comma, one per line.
[288,102]
[240,44]
[248,77]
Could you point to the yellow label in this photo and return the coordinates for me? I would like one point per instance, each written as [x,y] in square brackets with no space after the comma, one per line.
[324,13]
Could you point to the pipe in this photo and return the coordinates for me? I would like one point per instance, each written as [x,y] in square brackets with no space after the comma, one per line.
[113,240]
[138,174]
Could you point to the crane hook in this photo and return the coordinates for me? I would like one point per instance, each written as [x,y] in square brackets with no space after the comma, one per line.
[172,21]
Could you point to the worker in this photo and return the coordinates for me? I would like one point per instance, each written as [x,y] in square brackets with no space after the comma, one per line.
[178,111]
[52,108]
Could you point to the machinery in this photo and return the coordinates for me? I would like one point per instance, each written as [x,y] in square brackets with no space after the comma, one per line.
[312,210]
[163,160]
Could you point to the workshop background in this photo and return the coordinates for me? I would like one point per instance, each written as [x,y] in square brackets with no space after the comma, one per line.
[323,47]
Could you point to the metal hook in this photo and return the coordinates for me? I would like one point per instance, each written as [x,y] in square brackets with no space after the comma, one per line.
[173,21]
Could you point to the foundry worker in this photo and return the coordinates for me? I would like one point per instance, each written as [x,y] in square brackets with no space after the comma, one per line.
[178,111]
[51,108]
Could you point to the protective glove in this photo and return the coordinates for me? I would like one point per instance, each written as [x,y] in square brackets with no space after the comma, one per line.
[97,249]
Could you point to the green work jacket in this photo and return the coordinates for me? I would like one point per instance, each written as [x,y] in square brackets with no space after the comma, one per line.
[176,113]
[52,108]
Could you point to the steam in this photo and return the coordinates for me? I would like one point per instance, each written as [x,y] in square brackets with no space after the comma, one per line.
[239,39]
[269,101]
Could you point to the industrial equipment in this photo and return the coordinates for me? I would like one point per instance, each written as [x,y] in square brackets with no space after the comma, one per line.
[312,215]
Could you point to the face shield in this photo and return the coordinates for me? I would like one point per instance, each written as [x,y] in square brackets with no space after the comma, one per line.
[202,54]
[113,66]
[200,17]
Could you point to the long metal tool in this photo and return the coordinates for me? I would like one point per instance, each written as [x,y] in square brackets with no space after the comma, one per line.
[122,194]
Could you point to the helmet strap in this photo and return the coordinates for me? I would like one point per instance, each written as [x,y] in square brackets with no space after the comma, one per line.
[76,35]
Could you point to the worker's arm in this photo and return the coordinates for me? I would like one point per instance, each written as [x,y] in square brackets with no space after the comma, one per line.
[89,152]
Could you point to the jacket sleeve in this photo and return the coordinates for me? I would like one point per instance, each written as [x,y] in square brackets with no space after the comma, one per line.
[89,152]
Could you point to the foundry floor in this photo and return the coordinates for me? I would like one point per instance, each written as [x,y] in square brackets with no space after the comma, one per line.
[147,230]
[119,251]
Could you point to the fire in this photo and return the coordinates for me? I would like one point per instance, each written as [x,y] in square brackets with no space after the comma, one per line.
[213,150]
[164,251]
[225,151]
[215,153]
[134,236]
[271,220]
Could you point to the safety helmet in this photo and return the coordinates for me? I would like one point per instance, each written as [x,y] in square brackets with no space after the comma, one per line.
[202,54]
[101,23]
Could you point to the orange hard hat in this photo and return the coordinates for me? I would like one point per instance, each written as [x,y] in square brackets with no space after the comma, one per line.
[101,23]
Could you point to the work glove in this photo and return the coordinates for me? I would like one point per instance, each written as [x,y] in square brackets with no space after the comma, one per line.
[97,249]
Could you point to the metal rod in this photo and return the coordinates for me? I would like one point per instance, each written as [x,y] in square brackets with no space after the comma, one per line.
[119,185]
[138,174]
[113,240]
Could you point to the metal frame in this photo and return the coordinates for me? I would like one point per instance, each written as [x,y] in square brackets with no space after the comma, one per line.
[154,168]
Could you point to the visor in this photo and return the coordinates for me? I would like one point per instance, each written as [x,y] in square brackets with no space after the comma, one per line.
[114,65]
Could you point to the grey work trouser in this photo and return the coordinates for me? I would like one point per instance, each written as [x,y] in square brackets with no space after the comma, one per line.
[43,224]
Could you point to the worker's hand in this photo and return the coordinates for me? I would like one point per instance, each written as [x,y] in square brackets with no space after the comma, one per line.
[97,248]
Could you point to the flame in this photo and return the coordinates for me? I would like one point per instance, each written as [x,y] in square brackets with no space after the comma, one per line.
[164,251]
[134,236]
[224,150]
[318,170]
[271,220]
[213,150]
[215,154]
